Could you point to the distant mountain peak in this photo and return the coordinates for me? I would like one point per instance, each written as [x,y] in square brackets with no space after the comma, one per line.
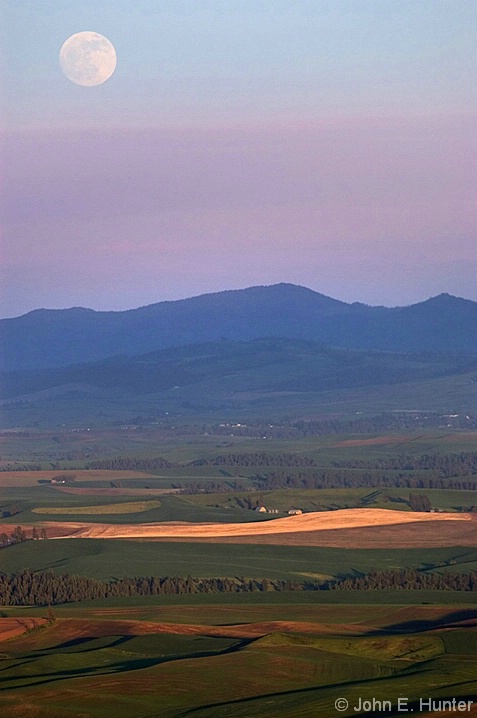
[442,302]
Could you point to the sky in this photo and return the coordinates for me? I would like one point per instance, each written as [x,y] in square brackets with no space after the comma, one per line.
[326,143]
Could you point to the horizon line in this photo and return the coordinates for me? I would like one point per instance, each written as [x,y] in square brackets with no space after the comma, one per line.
[228,291]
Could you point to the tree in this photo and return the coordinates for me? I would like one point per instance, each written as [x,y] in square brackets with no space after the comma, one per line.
[419,502]
[18,535]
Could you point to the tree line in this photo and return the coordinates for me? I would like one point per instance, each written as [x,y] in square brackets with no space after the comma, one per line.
[131,463]
[327,479]
[219,486]
[290,428]
[118,463]
[403,579]
[34,588]
[20,467]
[280,427]
[18,535]
[343,479]
[44,588]
[440,465]
[436,466]
[443,465]
[261,458]
[384,422]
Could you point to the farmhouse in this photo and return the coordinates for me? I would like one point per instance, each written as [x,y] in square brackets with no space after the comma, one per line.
[294,512]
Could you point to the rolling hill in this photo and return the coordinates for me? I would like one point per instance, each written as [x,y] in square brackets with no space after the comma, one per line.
[266,366]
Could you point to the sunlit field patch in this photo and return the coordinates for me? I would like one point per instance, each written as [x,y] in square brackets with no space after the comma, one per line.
[132,507]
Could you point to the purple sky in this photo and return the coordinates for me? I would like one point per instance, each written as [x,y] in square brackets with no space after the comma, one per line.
[347,167]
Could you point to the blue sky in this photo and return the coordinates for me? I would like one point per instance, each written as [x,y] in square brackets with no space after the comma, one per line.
[326,143]
[243,61]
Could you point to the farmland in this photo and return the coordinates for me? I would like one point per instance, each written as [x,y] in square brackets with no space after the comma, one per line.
[245,658]
[127,507]
[265,653]
[107,558]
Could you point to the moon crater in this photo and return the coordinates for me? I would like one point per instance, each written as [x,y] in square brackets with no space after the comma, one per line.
[88,58]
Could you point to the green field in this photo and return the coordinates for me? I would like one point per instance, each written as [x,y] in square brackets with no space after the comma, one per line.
[221,609]
[75,448]
[99,663]
[171,508]
[331,499]
[45,504]
[104,559]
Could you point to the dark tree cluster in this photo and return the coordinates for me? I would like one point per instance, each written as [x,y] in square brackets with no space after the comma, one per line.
[257,459]
[442,465]
[21,467]
[44,588]
[352,478]
[419,502]
[18,535]
[399,580]
[131,463]
[384,422]
[9,510]
[31,588]
[289,428]
[211,487]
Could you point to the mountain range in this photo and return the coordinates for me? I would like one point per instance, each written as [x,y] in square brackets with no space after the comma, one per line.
[47,338]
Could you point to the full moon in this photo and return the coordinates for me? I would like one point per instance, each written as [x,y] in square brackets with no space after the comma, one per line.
[88,58]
